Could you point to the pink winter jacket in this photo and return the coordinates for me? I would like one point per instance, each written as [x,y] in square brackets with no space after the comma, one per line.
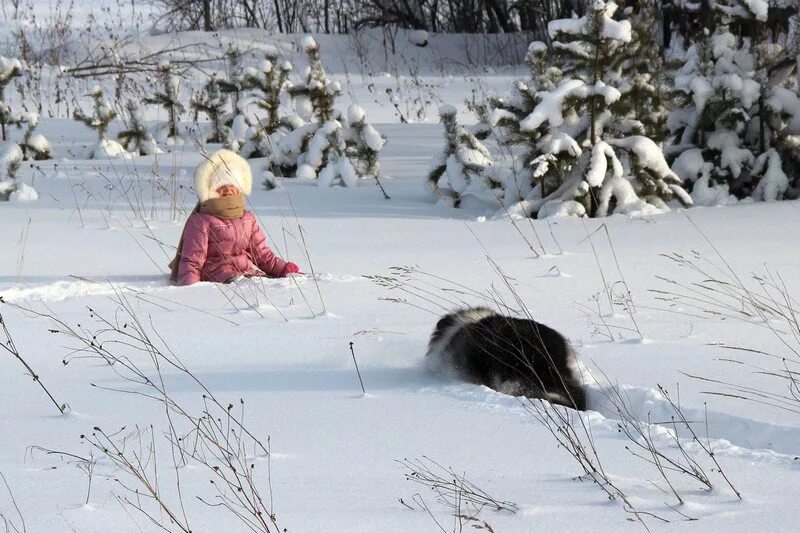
[218,250]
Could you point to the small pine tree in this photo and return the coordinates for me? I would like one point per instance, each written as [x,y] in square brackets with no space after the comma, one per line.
[233,83]
[212,102]
[464,165]
[9,69]
[34,146]
[729,122]
[136,137]
[316,96]
[364,144]
[10,164]
[101,116]
[605,173]
[530,168]
[168,98]
[267,86]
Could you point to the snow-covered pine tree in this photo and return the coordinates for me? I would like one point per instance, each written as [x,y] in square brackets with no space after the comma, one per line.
[315,98]
[316,144]
[212,103]
[233,83]
[34,146]
[11,187]
[464,166]
[364,144]
[169,98]
[99,120]
[136,138]
[729,122]
[640,109]
[606,173]
[9,69]
[268,85]
[530,167]
[267,88]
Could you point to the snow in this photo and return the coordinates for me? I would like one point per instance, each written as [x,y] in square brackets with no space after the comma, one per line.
[8,64]
[307,43]
[688,165]
[108,149]
[550,107]
[9,152]
[612,29]
[602,153]
[561,208]
[733,156]
[647,155]
[102,228]
[418,38]
[24,193]
[774,182]
[39,143]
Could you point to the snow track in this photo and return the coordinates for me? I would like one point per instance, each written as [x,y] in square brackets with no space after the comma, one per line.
[726,434]
[61,290]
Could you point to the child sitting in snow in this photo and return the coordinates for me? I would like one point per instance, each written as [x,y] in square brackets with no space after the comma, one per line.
[221,240]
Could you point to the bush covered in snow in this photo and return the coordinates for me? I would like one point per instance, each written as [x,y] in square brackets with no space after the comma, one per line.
[211,102]
[464,166]
[9,69]
[136,138]
[577,127]
[99,120]
[11,187]
[316,142]
[169,98]
[733,115]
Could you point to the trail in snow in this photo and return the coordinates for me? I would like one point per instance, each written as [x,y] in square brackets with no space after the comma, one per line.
[726,434]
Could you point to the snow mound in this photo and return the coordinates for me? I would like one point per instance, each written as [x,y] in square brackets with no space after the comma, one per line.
[108,149]
[24,193]
[418,38]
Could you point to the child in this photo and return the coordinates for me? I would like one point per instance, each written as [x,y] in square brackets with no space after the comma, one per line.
[221,240]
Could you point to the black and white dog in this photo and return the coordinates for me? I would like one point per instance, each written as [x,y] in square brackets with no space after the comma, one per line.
[510,355]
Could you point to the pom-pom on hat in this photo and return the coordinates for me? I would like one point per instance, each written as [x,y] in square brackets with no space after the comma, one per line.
[222,168]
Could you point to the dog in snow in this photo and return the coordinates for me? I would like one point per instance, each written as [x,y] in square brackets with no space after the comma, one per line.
[514,356]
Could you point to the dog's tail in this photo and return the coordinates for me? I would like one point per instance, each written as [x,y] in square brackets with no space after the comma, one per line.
[449,325]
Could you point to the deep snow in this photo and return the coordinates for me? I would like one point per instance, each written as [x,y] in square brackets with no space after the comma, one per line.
[101,227]
[333,450]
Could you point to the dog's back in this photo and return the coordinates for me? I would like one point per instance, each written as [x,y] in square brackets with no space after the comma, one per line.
[514,356]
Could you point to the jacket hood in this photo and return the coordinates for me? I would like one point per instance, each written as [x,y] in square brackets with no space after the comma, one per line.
[224,167]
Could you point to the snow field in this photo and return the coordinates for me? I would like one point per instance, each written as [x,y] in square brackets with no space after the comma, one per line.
[333,465]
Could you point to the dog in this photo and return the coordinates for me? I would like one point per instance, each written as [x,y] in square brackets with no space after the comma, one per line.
[514,356]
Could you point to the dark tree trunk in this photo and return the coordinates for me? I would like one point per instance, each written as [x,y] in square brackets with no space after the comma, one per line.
[207,16]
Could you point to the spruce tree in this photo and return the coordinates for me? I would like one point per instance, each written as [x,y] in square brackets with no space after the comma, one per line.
[34,146]
[9,69]
[464,165]
[530,167]
[731,133]
[364,144]
[233,83]
[267,86]
[595,170]
[10,164]
[212,103]
[101,116]
[168,98]
[136,137]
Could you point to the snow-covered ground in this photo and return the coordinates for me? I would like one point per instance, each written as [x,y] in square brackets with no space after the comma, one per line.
[273,344]
[103,231]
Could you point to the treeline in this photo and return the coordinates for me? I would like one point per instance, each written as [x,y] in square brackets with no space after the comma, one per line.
[343,16]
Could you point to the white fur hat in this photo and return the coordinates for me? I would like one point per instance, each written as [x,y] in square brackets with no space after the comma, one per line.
[222,168]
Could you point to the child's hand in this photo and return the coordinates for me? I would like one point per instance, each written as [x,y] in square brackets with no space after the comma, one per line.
[291,268]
